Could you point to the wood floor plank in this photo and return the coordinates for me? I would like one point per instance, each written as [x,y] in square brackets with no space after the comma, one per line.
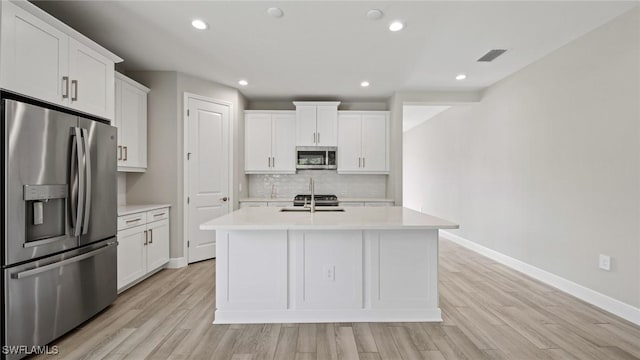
[326,342]
[384,342]
[346,343]
[287,343]
[307,338]
[404,343]
[268,343]
[364,338]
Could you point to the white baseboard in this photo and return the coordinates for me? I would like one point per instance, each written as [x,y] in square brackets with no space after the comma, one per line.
[326,316]
[176,263]
[583,293]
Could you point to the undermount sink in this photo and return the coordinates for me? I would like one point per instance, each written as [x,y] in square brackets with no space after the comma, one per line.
[306,209]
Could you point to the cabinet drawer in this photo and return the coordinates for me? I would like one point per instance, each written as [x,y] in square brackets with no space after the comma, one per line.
[131,220]
[159,214]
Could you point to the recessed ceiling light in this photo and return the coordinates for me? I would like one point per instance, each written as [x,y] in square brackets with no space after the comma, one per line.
[243,82]
[199,24]
[364,84]
[396,26]
[275,12]
[461,77]
[374,14]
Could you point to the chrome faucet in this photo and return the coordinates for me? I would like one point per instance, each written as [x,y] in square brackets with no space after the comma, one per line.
[313,197]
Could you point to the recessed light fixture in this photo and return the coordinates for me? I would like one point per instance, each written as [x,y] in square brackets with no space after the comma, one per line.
[461,77]
[275,12]
[396,26]
[199,24]
[243,82]
[364,84]
[374,14]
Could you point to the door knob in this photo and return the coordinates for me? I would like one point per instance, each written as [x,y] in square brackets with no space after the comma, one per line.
[224,199]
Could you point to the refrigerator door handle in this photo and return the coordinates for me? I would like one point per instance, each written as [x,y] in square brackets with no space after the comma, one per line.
[77,170]
[87,170]
[41,269]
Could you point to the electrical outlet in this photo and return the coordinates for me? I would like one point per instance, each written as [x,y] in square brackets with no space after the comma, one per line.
[604,262]
[329,272]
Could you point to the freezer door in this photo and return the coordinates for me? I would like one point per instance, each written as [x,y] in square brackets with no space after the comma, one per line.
[46,298]
[100,218]
[37,144]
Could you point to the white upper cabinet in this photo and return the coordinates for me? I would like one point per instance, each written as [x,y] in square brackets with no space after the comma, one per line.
[270,142]
[131,121]
[91,81]
[363,142]
[316,123]
[33,56]
[44,59]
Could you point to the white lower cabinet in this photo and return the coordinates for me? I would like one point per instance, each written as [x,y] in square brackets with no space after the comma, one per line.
[143,245]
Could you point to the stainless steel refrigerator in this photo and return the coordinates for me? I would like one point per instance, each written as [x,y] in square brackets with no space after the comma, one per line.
[59,223]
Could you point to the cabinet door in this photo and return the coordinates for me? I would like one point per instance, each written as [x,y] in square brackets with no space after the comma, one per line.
[92,81]
[158,248]
[349,143]
[34,56]
[132,107]
[283,143]
[327,125]
[306,125]
[257,143]
[132,255]
[374,143]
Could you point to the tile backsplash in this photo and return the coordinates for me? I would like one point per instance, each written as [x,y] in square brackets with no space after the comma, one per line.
[326,182]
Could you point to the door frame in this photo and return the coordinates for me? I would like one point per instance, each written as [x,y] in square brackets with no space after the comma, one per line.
[185,164]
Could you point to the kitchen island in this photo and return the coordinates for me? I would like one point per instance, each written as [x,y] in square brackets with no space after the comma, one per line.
[372,264]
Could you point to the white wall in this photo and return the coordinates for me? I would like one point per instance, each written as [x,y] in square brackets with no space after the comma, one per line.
[163,180]
[546,168]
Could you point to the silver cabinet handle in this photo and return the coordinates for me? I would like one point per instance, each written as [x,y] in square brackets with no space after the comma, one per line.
[363,162]
[126,153]
[74,90]
[134,220]
[65,87]
[150,236]
[146,238]
[359,162]
[314,138]
[156,215]
[268,162]
[41,269]
[119,152]
[273,162]
[318,138]
[87,169]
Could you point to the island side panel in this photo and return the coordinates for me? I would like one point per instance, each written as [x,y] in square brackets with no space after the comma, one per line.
[251,270]
[327,269]
[403,269]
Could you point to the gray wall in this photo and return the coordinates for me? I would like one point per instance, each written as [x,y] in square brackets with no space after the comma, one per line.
[546,168]
[163,180]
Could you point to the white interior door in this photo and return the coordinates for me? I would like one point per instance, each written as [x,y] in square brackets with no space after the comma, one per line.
[208,173]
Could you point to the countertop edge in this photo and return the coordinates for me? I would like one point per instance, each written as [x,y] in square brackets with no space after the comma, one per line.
[327,227]
[138,208]
[339,200]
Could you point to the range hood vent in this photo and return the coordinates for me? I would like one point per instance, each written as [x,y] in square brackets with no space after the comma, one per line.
[492,55]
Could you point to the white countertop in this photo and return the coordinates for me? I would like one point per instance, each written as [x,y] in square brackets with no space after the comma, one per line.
[133,208]
[358,218]
[339,200]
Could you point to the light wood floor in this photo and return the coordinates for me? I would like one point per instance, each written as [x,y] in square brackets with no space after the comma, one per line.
[490,312]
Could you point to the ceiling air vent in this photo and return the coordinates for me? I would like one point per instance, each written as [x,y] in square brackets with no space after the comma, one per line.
[492,55]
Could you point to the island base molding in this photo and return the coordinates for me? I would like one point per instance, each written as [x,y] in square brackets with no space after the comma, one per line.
[313,276]
[326,316]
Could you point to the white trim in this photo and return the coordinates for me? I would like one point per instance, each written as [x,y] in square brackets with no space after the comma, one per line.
[185,169]
[583,293]
[326,316]
[177,263]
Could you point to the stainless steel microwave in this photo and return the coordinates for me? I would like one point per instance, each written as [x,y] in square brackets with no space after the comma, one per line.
[316,158]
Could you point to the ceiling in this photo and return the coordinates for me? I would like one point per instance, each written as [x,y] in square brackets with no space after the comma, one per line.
[325,49]
[414,115]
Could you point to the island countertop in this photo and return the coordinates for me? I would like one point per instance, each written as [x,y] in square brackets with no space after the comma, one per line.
[352,218]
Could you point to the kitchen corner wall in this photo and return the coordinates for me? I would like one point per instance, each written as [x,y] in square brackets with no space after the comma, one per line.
[163,180]
[546,168]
